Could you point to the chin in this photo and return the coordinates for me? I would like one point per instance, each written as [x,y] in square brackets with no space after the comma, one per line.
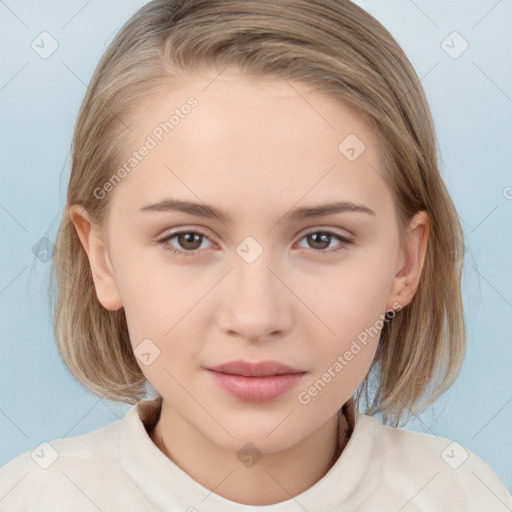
[259,436]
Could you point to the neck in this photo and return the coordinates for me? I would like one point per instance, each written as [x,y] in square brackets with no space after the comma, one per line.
[278,473]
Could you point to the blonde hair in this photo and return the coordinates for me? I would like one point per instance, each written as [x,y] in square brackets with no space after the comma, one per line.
[343,51]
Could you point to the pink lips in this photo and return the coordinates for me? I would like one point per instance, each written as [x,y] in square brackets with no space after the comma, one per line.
[256,382]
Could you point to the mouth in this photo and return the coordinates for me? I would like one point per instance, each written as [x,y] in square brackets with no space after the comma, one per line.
[256,382]
[260,369]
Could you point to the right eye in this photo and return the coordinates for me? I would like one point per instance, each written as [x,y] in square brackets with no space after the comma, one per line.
[188,239]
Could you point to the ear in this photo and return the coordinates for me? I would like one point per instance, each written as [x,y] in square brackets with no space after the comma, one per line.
[410,262]
[99,259]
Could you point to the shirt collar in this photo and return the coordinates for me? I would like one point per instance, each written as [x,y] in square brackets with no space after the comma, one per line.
[167,486]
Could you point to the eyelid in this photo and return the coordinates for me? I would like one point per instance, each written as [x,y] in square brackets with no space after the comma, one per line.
[187,229]
[306,231]
[344,233]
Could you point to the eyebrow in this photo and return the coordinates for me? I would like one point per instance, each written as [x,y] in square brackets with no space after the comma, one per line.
[203,210]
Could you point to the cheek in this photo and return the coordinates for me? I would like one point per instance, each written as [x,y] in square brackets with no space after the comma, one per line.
[155,293]
[343,353]
[350,302]
[348,297]
[163,305]
[161,333]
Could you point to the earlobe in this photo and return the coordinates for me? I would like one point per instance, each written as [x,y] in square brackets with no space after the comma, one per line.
[412,261]
[99,259]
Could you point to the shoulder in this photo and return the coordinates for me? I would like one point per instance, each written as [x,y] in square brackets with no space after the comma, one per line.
[433,473]
[57,464]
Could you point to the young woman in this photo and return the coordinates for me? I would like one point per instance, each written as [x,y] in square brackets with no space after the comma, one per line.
[256,228]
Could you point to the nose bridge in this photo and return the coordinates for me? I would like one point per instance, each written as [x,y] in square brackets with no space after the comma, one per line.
[255,304]
[251,273]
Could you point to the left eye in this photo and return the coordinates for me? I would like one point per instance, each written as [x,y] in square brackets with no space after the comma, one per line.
[323,237]
[191,241]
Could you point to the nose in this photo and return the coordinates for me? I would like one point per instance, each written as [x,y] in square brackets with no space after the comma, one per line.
[255,303]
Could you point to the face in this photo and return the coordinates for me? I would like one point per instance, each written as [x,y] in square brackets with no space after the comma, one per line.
[270,276]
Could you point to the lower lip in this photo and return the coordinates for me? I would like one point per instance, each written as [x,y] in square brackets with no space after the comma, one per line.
[257,389]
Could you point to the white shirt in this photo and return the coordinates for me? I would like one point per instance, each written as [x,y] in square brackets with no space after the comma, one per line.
[119,468]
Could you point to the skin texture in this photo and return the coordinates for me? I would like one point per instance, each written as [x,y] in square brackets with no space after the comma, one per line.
[256,149]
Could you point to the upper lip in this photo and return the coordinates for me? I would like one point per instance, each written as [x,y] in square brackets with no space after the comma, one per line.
[261,369]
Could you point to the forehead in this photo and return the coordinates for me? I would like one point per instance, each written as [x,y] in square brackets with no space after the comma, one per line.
[249,140]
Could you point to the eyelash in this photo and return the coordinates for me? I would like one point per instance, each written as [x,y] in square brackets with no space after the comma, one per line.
[342,246]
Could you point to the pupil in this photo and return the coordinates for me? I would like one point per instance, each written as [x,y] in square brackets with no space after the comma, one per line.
[322,238]
[189,238]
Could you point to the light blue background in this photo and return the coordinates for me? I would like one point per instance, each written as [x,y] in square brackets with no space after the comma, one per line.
[471,100]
